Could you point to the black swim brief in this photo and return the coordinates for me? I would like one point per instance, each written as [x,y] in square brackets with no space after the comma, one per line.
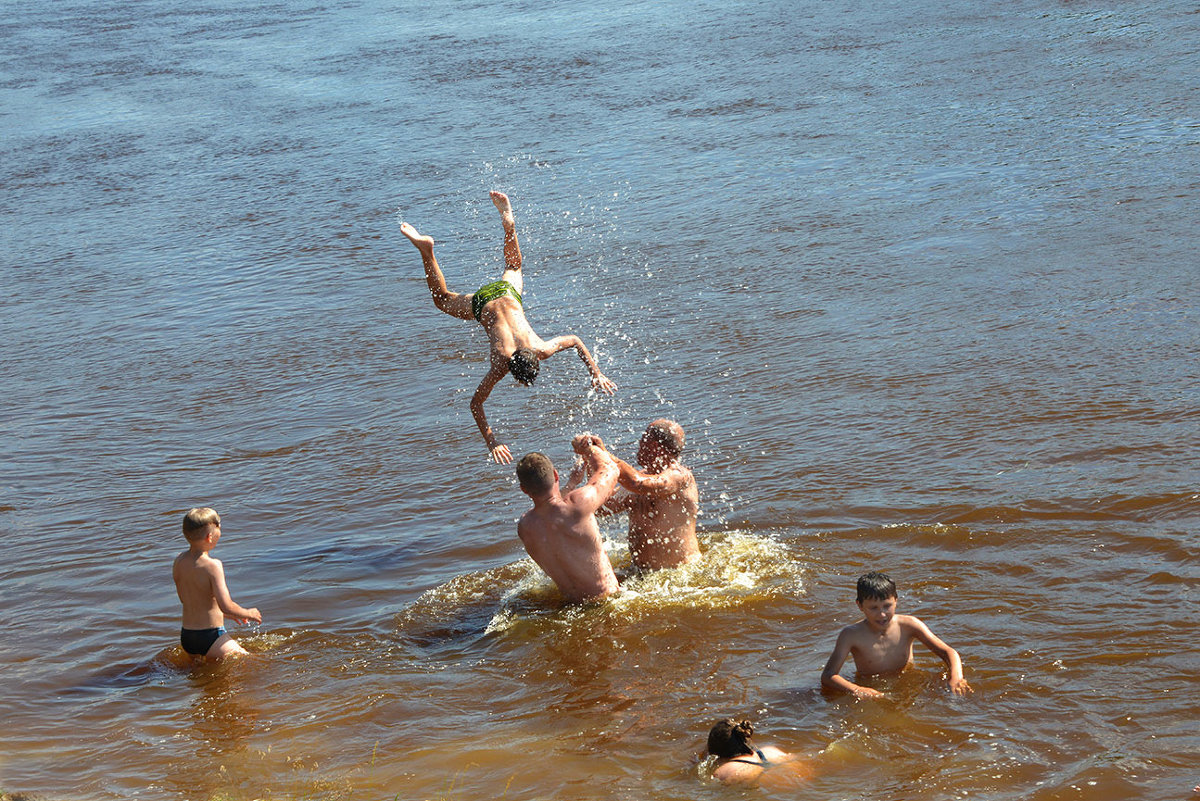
[198,641]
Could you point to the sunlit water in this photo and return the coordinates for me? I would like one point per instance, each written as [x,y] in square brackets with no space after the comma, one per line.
[919,280]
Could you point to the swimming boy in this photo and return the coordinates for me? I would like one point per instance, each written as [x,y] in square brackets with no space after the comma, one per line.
[662,501]
[200,582]
[515,348]
[882,642]
[560,531]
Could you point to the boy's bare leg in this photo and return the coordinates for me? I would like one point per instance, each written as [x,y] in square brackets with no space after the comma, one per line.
[512,251]
[452,303]
[225,646]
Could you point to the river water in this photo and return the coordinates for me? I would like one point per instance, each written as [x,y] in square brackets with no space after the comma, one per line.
[919,280]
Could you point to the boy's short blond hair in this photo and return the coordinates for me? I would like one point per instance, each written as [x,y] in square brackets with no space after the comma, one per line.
[197,521]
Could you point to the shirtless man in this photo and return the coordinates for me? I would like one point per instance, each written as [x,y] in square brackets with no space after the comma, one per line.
[497,306]
[662,502]
[560,531]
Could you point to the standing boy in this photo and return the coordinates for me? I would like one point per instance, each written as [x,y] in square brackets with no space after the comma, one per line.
[200,582]
[882,642]
[497,306]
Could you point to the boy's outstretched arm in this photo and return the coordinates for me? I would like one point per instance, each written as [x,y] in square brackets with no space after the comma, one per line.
[958,684]
[557,344]
[225,602]
[499,451]
[831,676]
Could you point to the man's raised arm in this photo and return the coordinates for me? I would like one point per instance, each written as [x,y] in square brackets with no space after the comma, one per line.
[601,471]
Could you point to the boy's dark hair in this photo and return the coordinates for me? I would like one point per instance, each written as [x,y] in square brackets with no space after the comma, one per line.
[730,738]
[876,587]
[535,472]
[524,365]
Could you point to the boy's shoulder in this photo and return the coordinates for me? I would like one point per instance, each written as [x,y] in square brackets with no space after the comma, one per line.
[204,561]
[856,630]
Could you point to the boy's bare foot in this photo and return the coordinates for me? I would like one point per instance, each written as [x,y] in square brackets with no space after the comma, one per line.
[423,243]
[503,206]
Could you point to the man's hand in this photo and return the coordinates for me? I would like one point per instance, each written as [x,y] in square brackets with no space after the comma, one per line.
[501,455]
[585,442]
[602,384]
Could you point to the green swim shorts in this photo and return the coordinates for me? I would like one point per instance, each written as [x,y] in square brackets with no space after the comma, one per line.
[489,292]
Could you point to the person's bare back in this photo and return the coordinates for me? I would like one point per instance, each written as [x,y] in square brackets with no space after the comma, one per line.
[203,593]
[560,532]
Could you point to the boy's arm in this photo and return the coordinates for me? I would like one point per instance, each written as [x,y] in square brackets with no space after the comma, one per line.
[831,676]
[557,344]
[224,602]
[499,451]
[957,683]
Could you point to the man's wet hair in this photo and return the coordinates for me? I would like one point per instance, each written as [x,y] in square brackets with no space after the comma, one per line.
[667,433]
[876,587]
[535,472]
[524,365]
[730,738]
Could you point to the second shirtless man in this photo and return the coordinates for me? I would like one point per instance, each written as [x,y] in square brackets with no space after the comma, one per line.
[662,501]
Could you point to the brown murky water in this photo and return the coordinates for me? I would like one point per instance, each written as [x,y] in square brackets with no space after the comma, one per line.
[919,281]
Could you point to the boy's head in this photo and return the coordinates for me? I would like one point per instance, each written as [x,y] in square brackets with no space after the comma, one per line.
[196,523]
[524,365]
[876,587]
[730,738]
[536,473]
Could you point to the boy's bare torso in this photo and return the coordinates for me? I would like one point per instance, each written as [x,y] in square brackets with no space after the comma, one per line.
[194,584]
[508,330]
[885,652]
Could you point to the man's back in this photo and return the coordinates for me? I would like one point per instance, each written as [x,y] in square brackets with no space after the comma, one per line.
[567,546]
[560,531]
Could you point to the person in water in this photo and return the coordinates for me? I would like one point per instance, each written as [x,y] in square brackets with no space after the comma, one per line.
[200,583]
[738,759]
[497,306]
[662,502]
[882,642]
[560,531]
